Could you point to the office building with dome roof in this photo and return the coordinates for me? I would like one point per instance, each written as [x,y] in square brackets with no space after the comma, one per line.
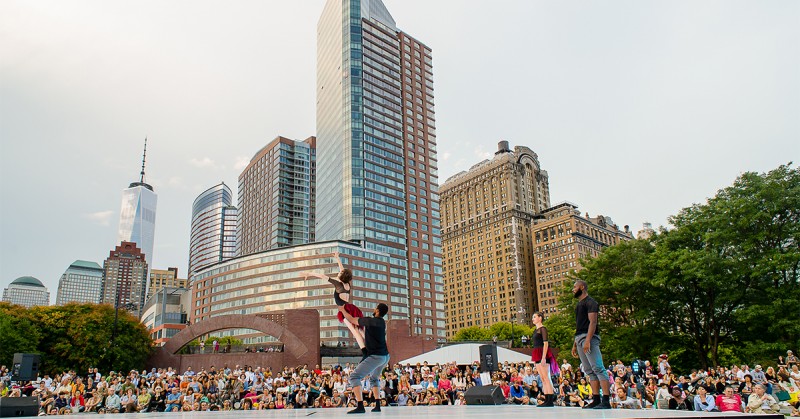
[27,291]
[82,282]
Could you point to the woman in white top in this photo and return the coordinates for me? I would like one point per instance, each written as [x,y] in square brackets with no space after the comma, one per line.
[339,385]
[663,396]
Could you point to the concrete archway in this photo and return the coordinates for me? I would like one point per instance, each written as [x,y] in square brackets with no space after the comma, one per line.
[298,330]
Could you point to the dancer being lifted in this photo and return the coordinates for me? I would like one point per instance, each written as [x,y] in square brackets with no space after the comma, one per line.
[341,295]
[544,359]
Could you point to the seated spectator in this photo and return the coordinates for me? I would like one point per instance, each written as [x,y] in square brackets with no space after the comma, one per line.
[746,386]
[761,402]
[704,401]
[112,403]
[622,401]
[663,396]
[95,402]
[62,401]
[729,401]
[517,393]
[678,402]
[157,400]
[174,400]
[460,400]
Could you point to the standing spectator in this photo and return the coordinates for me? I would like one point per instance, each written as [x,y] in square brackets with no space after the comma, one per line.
[663,365]
[586,345]
[216,346]
[791,359]
[704,401]
[202,346]
[524,340]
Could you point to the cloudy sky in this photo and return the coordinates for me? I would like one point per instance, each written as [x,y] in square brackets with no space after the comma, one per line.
[635,108]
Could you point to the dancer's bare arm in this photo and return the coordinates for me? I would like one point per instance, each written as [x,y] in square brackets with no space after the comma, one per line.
[306,274]
[338,260]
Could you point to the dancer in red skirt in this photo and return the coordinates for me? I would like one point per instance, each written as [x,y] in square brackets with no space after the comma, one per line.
[543,358]
[341,296]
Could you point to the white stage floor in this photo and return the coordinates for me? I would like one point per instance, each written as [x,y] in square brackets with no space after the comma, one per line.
[446,412]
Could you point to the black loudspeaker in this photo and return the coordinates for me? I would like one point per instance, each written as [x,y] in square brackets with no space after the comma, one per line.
[488,358]
[25,367]
[484,395]
[18,406]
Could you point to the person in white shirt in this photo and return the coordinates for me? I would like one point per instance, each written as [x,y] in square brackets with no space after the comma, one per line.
[622,401]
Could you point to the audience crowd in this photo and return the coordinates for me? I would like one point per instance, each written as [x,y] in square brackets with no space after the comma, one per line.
[641,385]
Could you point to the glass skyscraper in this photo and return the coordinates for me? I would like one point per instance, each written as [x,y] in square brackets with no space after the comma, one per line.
[27,291]
[376,150]
[82,282]
[213,236]
[137,217]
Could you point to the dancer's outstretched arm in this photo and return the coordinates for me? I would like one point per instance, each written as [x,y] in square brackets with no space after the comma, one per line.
[338,260]
[306,274]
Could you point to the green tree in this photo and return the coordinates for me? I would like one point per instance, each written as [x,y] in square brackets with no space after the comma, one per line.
[502,330]
[17,333]
[722,284]
[732,266]
[75,336]
[472,333]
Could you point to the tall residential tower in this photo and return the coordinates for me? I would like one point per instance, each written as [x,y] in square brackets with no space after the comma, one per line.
[376,151]
[488,214]
[276,197]
[125,278]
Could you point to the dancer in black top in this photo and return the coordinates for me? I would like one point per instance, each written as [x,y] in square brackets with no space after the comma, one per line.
[341,296]
[586,345]
[543,358]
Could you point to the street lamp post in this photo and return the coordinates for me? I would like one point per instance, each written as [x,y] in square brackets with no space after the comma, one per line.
[418,330]
[511,320]
[128,306]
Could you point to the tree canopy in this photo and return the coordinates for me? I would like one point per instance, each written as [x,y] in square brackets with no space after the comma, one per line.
[74,337]
[721,285]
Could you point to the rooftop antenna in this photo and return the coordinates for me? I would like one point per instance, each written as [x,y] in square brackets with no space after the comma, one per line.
[144,155]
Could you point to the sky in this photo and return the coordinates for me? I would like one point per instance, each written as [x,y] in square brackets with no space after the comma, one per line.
[636,109]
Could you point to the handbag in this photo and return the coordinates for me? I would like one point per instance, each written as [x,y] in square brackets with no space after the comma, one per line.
[782,395]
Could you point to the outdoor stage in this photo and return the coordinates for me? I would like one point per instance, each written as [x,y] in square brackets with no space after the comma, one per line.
[447,412]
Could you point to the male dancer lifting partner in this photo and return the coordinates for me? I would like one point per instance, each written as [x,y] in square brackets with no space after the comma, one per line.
[341,296]
[377,355]
[587,345]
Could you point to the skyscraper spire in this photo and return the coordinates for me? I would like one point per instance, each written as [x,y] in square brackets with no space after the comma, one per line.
[144,155]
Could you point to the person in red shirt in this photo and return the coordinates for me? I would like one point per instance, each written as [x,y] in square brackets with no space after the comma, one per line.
[505,388]
[729,401]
